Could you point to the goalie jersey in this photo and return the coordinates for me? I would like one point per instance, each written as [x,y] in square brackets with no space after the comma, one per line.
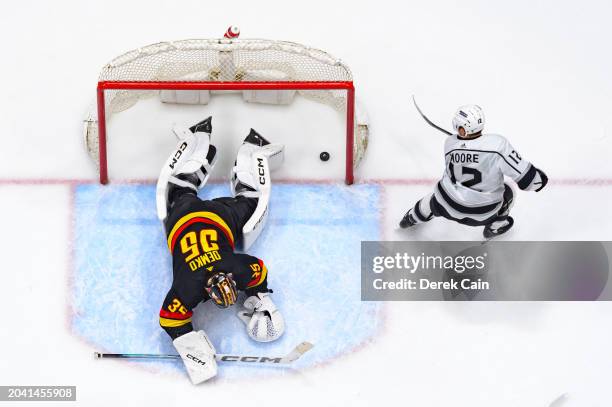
[472,188]
[201,236]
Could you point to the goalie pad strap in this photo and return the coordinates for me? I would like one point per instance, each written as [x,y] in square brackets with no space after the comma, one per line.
[181,183]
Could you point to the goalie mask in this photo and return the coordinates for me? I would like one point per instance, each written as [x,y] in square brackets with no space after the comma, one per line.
[221,288]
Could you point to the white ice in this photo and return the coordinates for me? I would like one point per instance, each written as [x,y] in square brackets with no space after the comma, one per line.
[540,69]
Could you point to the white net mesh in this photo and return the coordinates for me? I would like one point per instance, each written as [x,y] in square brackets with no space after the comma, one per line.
[221,60]
[225,60]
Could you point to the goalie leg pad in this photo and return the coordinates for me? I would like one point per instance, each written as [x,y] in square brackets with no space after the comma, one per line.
[188,166]
[254,184]
[250,177]
[198,355]
[264,322]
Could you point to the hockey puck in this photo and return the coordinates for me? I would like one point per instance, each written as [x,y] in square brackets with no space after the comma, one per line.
[324,156]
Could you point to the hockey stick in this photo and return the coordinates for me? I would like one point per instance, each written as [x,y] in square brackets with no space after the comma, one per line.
[432,124]
[292,356]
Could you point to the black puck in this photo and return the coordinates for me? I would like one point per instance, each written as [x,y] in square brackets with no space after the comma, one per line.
[324,156]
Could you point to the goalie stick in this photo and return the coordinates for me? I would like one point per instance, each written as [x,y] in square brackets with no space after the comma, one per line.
[292,356]
[432,124]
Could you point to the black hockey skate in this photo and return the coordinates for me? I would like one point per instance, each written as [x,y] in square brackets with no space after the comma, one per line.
[206,127]
[256,139]
[490,233]
[407,221]
[203,126]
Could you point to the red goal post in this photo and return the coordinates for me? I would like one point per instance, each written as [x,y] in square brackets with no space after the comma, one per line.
[225,65]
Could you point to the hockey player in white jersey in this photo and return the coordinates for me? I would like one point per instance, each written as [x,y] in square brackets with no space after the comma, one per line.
[472,190]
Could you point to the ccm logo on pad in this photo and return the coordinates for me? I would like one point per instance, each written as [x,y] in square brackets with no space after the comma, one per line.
[178,154]
[190,356]
[261,171]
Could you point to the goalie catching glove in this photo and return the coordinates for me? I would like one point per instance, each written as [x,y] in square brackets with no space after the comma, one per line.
[264,322]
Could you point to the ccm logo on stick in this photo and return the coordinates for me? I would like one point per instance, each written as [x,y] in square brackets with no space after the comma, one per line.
[251,359]
[178,154]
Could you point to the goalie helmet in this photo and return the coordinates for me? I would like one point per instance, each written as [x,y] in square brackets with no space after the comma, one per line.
[470,117]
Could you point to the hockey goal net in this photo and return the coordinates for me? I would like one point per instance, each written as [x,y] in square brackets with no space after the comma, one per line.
[204,67]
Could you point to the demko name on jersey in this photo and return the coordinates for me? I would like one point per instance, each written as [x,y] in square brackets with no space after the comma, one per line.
[204,259]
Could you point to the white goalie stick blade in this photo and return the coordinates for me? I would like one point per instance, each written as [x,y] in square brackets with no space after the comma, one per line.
[291,357]
[432,124]
[297,352]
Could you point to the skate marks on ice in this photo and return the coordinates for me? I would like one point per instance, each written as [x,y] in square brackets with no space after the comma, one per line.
[122,272]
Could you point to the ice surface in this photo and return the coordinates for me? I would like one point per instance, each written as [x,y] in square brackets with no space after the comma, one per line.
[541,71]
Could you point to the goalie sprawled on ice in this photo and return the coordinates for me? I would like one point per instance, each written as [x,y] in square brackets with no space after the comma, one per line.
[203,235]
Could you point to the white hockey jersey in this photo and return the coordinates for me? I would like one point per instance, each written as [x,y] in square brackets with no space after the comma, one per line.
[473,183]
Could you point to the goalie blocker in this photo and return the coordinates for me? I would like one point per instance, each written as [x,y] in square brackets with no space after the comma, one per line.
[203,235]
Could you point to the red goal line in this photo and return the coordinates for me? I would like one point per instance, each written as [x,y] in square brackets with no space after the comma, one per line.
[586,182]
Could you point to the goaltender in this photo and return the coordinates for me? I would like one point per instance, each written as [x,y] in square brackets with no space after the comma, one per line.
[203,236]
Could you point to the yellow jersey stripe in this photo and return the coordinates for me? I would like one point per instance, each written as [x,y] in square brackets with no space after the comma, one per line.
[208,215]
[173,323]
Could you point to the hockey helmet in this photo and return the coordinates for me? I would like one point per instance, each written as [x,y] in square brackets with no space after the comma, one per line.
[221,288]
[470,117]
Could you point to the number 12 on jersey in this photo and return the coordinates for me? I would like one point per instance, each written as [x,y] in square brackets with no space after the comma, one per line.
[474,176]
